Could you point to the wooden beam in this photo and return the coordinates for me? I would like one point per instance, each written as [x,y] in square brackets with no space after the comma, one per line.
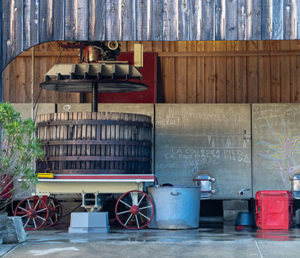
[48,53]
[229,54]
[178,54]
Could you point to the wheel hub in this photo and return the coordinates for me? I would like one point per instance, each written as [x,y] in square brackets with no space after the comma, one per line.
[134,209]
[31,213]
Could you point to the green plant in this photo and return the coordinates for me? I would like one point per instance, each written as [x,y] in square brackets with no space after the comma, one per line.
[19,150]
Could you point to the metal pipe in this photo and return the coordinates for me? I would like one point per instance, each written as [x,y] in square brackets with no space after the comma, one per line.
[95,97]
[32,81]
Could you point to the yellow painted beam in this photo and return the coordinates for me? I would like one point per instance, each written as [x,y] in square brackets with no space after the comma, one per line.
[86,187]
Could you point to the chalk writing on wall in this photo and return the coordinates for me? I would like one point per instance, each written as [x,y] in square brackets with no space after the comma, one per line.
[201,156]
[212,139]
[283,151]
[290,111]
[214,150]
[181,118]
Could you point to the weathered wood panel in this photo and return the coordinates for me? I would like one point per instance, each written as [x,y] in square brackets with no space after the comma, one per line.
[113,27]
[82,19]
[76,20]
[31,32]
[58,19]
[128,29]
[156,21]
[290,19]
[241,21]
[266,19]
[170,16]
[183,19]
[7,32]
[189,72]
[208,20]
[195,22]
[278,12]
[69,20]
[45,21]
[231,22]
[29,22]
[253,22]
[220,18]
[96,13]
[143,9]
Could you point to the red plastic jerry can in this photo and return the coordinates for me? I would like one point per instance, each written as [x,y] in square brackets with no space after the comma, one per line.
[274,209]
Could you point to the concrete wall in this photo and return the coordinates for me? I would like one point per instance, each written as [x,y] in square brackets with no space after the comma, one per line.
[276,145]
[26,109]
[191,138]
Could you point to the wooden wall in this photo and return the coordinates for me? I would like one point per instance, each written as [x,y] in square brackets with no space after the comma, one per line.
[17,76]
[188,72]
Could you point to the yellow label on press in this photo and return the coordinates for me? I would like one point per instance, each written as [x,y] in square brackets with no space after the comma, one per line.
[45,175]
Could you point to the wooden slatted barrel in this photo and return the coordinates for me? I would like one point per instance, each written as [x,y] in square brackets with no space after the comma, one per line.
[95,143]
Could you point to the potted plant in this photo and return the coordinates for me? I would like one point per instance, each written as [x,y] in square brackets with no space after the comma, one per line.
[19,149]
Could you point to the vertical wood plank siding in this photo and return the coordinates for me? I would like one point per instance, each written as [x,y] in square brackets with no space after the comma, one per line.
[58,15]
[189,71]
[142,18]
[29,22]
[97,11]
[278,21]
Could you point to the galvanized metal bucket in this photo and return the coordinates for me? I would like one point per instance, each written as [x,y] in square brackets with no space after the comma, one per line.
[176,207]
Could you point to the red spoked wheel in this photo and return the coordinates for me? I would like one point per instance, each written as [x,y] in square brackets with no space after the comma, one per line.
[134,210]
[33,212]
[55,211]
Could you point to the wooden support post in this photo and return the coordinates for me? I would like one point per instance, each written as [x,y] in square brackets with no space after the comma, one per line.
[32,81]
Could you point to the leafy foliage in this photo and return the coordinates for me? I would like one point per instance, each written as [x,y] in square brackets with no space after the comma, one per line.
[19,150]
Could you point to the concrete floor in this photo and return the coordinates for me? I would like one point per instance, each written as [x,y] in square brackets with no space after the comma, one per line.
[202,242]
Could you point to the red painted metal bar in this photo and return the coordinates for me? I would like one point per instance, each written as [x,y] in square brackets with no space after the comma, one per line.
[105,177]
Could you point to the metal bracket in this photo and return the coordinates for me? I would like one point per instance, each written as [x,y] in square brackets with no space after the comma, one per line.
[92,201]
[295,186]
[205,182]
[40,194]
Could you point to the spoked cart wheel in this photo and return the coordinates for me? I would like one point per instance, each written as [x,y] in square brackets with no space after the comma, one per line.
[33,212]
[134,210]
[55,211]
